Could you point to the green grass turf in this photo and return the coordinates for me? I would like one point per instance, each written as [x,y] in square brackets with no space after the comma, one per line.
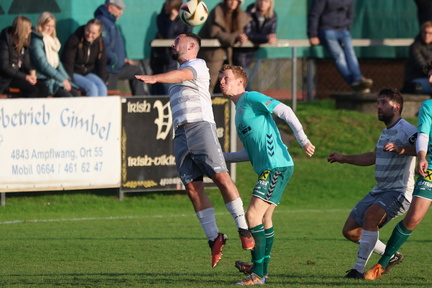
[80,239]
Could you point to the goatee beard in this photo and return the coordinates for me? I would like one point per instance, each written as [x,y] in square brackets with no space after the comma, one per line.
[386,119]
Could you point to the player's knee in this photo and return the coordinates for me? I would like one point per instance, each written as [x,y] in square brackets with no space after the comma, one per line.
[267,220]
[411,223]
[249,216]
[252,219]
[350,235]
[345,233]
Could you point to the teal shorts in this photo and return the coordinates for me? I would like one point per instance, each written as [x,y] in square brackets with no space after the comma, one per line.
[271,184]
[423,187]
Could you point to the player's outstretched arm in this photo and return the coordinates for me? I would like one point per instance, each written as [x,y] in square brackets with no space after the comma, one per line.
[365,159]
[149,79]
[170,77]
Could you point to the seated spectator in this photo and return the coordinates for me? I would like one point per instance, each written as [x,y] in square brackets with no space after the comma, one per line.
[420,54]
[44,53]
[84,58]
[119,67]
[261,29]
[226,22]
[169,26]
[15,66]
[329,24]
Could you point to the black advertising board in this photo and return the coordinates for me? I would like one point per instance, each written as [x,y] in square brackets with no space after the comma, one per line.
[147,154]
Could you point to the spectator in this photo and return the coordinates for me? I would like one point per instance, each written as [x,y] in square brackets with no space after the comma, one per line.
[261,29]
[329,23]
[44,50]
[15,66]
[424,11]
[169,26]
[84,58]
[226,22]
[119,67]
[420,54]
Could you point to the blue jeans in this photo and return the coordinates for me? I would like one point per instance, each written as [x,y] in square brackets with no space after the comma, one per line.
[424,82]
[91,84]
[338,45]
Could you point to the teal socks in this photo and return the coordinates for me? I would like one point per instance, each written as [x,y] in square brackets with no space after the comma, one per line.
[399,236]
[258,253]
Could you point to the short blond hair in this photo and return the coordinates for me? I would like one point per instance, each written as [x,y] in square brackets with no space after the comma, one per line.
[238,72]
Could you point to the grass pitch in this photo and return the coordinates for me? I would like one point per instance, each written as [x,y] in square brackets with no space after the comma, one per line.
[168,249]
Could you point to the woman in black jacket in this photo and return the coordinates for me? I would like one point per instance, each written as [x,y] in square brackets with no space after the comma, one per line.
[15,65]
[84,59]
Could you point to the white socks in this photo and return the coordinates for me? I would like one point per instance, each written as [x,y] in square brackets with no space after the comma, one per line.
[379,248]
[237,211]
[208,220]
[208,223]
[367,244]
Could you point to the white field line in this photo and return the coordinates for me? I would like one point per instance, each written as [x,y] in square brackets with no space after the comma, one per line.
[152,216]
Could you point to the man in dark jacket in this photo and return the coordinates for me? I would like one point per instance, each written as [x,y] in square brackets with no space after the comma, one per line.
[329,22]
[119,67]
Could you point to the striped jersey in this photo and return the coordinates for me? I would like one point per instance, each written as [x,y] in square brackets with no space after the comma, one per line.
[190,100]
[393,171]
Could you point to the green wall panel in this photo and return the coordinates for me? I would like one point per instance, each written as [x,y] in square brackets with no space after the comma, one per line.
[374,19]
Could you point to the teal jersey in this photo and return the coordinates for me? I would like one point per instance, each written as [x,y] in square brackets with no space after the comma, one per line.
[259,133]
[425,126]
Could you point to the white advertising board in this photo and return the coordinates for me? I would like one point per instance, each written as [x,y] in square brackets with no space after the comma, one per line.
[59,143]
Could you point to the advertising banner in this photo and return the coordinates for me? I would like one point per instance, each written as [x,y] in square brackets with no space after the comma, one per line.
[148,162]
[59,143]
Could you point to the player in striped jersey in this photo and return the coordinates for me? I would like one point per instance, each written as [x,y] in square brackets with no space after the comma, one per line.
[422,195]
[394,174]
[196,146]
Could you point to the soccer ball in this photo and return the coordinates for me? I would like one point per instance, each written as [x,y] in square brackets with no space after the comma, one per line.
[193,12]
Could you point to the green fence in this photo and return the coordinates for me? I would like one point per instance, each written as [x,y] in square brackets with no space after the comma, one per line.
[375,19]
